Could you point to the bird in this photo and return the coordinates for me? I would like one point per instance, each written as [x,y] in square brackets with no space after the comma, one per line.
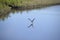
[31,20]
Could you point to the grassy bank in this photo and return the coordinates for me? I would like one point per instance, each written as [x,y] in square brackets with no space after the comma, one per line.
[6,5]
[26,3]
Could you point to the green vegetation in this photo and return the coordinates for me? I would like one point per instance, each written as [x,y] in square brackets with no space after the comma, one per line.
[15,2]
[26,3]
[4,4]
[23,4]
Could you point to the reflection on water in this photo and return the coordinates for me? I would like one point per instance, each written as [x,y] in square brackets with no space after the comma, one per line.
[5,14]
[45,22]
[31,22]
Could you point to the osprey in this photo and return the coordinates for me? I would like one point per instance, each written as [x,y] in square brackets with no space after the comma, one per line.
[31,22]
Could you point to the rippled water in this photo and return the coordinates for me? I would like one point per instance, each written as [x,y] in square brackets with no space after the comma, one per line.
[45,26]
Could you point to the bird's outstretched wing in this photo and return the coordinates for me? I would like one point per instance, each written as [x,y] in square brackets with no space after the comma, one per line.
[33,19]
[29,19]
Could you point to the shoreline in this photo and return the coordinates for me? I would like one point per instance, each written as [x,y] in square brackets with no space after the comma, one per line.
[31,6]
[27,4]
[5,12]
[7,6]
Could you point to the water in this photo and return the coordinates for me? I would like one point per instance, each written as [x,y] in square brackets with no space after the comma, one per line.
[46,25]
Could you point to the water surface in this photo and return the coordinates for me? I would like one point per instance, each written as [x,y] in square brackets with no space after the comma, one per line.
[46,25]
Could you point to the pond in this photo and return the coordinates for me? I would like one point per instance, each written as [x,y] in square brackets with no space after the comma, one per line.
[36,24]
